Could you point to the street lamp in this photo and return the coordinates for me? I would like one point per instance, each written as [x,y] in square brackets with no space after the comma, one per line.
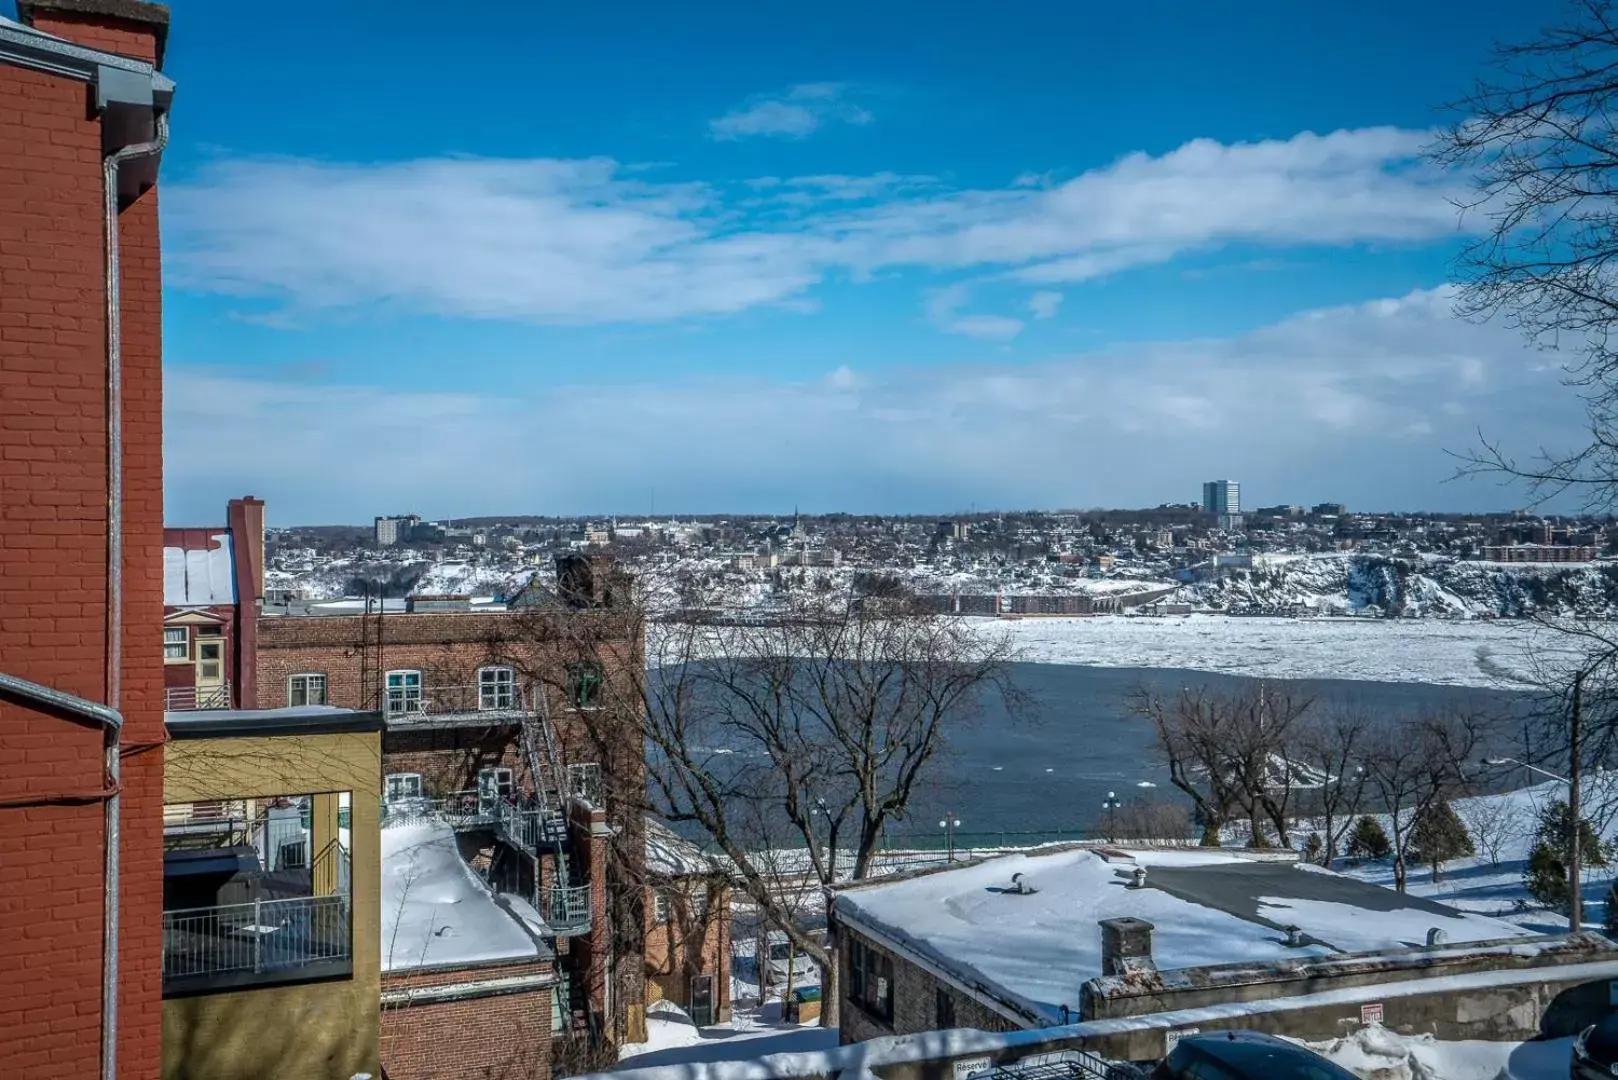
[1575,898]
[949,825]
[1111,804]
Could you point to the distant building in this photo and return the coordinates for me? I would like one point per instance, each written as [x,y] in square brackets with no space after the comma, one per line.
[1329,509]
[396,530]
[213,581]
[1231,522]
[1221,497]
[954,530]
[1538,553]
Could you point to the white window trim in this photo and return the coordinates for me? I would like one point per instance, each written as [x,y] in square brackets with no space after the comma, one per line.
[324,686]
[387,695]
[660,907]
[510,684]
[184,658]
[387,783]
[505,779]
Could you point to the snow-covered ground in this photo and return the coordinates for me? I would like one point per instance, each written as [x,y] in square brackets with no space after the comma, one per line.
[1474,653]
[672,1039]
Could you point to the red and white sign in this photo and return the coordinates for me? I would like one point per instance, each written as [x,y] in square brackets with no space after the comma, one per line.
[1371,1014]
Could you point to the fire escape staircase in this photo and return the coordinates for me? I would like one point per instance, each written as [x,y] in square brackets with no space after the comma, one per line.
[541,830]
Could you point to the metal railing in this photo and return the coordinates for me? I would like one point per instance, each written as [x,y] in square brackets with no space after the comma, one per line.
[191,699]
[534,830]
[584,782]
[566,909]
[258,938]
[496,703]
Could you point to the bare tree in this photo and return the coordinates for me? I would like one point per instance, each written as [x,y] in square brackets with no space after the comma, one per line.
[1227,752]
[1329,745]
[806,729]
[1412,764]
[1536,136]
[1151,819]
[1494,824]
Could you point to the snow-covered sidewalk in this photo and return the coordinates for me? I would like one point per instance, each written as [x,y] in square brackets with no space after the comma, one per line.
[672,1039]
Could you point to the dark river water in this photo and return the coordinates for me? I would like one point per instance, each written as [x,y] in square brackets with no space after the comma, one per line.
[1047,776]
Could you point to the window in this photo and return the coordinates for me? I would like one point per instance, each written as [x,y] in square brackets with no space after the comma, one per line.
[660,908]
[870,979]
[584,683]
[497,781]
[176,643]
[403,697]
[944,1007]
[400,786]
[307,689]
[562,1002]
[699,906]
[497,688]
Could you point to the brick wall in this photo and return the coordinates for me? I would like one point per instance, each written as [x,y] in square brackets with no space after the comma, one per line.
[915,1002]
[53,540]
[487,1036]
[689,945]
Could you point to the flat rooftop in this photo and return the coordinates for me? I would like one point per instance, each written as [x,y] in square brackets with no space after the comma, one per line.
[1036,951]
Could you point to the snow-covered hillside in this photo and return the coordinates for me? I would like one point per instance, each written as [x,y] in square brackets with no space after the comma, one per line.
[1417,586]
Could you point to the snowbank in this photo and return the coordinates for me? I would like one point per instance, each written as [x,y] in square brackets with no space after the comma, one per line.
[1376,1053]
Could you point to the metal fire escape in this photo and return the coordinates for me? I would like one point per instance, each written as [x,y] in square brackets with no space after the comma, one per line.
[541,831]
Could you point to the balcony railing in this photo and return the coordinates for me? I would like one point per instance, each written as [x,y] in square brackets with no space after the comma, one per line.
[533,830]
[453,705]
[216,948]
[566,909]
[190,698]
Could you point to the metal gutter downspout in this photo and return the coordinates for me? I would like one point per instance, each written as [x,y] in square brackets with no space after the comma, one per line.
[115,582]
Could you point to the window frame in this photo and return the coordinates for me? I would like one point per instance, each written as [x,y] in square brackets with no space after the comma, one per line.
[508,685]
[505,780]
[306,676]
[871,980]
[184,643]
[404,694]
[944,1017]
[661,908]
[387,786]
[585,678]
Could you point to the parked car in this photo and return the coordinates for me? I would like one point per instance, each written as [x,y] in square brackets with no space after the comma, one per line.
[1245,1055]
[1595,1051]
[782,957]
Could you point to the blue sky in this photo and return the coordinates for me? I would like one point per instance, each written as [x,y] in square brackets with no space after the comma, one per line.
[876,257]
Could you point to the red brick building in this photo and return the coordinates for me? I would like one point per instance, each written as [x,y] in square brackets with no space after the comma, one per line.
[83,117]
[213,585]
[500,722]
[688,923]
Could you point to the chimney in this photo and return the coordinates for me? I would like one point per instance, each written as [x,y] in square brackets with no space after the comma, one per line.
[245,519]
[1126,946]
[129,28]
[590,581]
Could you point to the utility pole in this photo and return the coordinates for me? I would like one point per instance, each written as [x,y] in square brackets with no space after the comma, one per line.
[1575,920]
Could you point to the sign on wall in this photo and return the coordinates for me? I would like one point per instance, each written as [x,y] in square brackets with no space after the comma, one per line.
[1171,1039]
[1371,1013]
[965,1067]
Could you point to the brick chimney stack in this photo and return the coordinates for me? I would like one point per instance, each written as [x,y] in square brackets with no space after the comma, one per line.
[245,518]
[130,28]
[1126,946]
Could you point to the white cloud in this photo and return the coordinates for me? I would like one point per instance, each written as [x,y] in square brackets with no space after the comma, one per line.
[1356,404]
[587,241]
[942,311]
[1044,304]
[794,114]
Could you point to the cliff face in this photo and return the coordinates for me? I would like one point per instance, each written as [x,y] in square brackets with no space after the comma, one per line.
[1427,586]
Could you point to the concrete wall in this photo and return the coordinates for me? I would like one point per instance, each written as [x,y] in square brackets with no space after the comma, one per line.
[53,575]
[316,1030]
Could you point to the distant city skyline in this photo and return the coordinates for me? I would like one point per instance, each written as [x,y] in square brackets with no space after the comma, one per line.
[969,255]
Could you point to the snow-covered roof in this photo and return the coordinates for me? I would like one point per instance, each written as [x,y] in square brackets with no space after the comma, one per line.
[437,912]
[1035,951]
[671,855]
[200,576]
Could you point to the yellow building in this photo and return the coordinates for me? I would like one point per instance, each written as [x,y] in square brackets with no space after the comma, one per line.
[271,880]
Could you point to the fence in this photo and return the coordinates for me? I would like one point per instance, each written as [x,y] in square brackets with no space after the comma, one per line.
[257,938]
[191,699]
